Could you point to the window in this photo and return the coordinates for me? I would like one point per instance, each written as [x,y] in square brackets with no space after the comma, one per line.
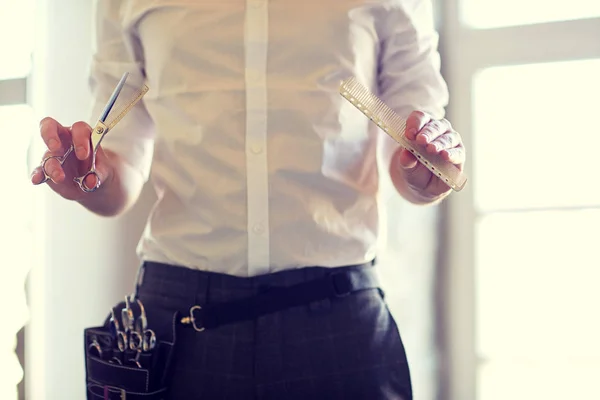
[499,13]
[536,137]
[536,294]
[17,126]
[521,263]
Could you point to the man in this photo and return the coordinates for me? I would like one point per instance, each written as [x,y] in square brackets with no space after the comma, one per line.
[266,178]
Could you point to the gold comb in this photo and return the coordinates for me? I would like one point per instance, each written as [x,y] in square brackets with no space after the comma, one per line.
[394,125]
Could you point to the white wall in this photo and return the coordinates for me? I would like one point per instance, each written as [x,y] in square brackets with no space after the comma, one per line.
[84,264]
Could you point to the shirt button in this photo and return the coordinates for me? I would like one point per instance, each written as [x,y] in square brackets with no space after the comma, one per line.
[256,149]
[259,229]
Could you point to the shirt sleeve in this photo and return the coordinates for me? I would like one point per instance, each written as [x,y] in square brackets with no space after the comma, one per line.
[116,51]
[409,76]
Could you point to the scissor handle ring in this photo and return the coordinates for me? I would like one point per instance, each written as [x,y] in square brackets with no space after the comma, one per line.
[61,159]
[122,341]
[81,181]
[48,158]
[149,341]
[95,346]
[46,177]
[136,340]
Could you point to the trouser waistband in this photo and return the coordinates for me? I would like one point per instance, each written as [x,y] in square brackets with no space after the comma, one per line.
[237,299]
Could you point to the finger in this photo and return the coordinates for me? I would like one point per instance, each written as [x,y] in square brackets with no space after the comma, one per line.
[101,175]
[80,133]
[448,140]
[54,170]
[37,176]
[91,181]
[433,130]
[53,134]
[456,155]
[415,122]
[437,187]
[416,174]
[407,160]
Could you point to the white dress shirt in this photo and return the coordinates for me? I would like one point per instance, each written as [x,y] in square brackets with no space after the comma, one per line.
[258,163]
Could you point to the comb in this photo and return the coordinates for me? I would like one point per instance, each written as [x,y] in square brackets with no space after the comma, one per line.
[394,125]
[129,92]
[129,101]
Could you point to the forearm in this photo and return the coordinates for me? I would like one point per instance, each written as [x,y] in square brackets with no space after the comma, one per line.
[118,192]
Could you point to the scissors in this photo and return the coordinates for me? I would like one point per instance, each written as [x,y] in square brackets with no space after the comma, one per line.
[142,338]
[117,332]
[98,134]
[128,319]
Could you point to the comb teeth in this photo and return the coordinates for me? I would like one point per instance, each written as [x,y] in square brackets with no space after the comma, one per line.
[394,125]
[125,107]
[371,106]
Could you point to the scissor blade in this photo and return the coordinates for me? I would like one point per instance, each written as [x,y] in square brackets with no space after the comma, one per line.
[113,98]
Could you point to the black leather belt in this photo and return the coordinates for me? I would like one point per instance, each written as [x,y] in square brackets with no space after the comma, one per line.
[339,282]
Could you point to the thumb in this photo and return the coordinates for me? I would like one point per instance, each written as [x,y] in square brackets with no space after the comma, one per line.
[405,160]
[415,174]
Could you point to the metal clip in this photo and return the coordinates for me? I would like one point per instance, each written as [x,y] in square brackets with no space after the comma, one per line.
[191,319]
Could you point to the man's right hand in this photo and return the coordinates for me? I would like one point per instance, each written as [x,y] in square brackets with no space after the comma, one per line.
[58,139]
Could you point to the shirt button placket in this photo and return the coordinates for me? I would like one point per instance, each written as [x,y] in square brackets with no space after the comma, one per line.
[256,37]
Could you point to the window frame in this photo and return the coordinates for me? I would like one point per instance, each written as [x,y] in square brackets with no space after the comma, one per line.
[13,92]
[465,51]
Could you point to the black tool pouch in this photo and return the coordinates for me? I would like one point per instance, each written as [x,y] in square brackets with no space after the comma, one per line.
[130,374]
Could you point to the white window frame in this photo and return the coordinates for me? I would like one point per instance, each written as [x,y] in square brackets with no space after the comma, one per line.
[465,51]
[13,91]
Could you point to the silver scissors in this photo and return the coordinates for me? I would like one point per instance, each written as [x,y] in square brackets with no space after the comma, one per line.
[117,332]
[128,319]
[142,338]
[98,134]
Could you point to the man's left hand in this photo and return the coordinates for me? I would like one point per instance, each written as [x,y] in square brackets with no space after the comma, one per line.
[438,137]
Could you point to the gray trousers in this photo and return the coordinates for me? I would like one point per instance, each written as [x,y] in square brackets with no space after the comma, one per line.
[340,349]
